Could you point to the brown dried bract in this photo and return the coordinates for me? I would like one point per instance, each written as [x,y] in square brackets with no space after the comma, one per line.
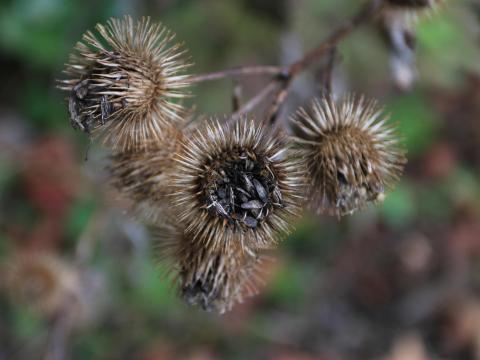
[124,84]
[236,185]
[352,155]
[144,176]
[213,279]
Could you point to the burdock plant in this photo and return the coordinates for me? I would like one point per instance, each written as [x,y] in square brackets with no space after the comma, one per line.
[236,184]
[225,190]
[144,176]
[353,156]
[213,278]
[124,83]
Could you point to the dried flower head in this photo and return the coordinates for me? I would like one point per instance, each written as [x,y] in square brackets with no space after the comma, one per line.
[352,155]
[42,282]
[214,279]
[217,279]
[144,176]
[125,83]
[236,184]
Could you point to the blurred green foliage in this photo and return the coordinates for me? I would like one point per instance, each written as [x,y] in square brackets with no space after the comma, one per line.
[416,121]
[79,216]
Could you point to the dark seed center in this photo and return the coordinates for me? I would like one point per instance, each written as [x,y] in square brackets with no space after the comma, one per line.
[243,191]
[88,106]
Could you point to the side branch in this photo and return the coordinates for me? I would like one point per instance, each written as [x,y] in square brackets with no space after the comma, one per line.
[254,101]
[239,71]
[365,14]
[284,76]
[324,48]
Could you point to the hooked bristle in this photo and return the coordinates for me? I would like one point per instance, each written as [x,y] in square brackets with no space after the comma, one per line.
[125,84]
[236,185]
[352,154]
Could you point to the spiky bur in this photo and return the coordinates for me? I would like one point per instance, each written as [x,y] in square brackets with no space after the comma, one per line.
[213,279]
[123,83]
[144,176]
[43,282]
[236,185]
[353,156]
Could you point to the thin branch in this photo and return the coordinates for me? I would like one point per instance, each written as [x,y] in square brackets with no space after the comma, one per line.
[236,96]
[280,97]
[284,76]
[254,101]
[327,73]
[239,71]
[365,14]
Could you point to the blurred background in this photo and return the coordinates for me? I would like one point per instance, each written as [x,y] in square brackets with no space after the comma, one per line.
[399,281]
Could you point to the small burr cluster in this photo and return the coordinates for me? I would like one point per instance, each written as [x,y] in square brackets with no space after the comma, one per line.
[220,193]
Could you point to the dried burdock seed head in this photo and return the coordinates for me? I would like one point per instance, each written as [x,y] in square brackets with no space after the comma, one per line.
[213,279]
[124,83]
[236,185]
[144,176]
[352,155]
[43,282]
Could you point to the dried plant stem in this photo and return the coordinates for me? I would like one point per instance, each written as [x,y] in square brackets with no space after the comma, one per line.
[236,96]
[254,101]
[280,97]
[285,75]
[327,76]
[365,14]
[239,71]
